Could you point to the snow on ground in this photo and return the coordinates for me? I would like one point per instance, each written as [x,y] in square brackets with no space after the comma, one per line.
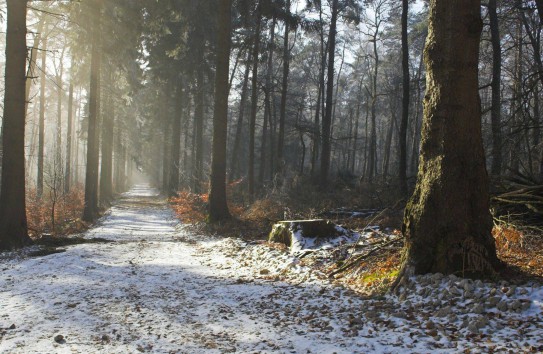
[160,288]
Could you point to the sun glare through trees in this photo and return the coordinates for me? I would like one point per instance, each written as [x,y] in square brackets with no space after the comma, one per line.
[291,176]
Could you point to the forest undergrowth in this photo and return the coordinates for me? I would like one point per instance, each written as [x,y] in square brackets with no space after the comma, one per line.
[517,243]
[55,215]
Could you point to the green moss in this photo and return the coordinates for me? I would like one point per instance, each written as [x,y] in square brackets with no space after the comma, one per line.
[280,233]
[380,276]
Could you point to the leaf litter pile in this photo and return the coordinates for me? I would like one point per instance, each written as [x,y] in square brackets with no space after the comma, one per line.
[161,287]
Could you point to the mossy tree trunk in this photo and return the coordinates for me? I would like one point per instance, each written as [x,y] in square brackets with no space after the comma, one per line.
[447,222]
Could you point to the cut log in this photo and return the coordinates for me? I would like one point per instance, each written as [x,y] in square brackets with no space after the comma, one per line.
[309,234]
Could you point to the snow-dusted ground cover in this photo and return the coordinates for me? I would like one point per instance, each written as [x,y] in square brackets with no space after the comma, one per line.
[161,288]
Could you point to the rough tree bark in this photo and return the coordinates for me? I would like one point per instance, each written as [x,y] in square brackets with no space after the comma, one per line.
[320,100]
[447,223]
[90,211]
[495,113]
[267,107]
[234,162]
[405,100]
[199,128]
[166,142]
[13,224]
[106,169]
[327,119]
[254,103]
[176,140]
[218,207]
[284,90]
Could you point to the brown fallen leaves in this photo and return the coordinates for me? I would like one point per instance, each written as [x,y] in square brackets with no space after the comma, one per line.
[517,247]
[520,248]
[58,217]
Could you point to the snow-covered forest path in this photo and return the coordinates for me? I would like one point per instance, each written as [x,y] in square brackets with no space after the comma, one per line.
[160,288]
[146,292]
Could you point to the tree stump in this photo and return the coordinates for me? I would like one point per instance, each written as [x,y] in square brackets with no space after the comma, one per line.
[306,233]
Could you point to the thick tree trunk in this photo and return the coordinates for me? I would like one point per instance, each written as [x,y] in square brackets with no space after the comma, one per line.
[495,113]
[319,110]
[267,108]
[218,207]
[41,124]
[234,162]
[90,211]
[166,148]
[176,141]
[327,119]
[284,90]
[447,222]
[254,104]
[199,131]
[13,224]
[106,169]
[405,100]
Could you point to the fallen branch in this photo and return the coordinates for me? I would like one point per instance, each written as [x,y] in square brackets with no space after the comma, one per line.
[357,259]
[526,202]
